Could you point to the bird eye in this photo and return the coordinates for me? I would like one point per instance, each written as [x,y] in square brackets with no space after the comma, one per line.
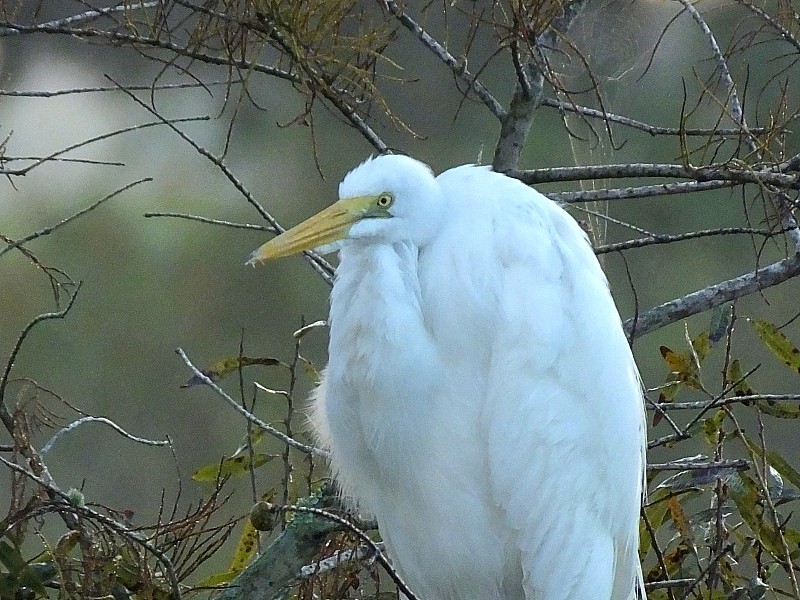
[385,200]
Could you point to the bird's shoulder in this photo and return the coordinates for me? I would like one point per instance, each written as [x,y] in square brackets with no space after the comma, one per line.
[498,223]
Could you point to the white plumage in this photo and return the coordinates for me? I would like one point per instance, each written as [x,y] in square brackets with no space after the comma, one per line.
[480,400]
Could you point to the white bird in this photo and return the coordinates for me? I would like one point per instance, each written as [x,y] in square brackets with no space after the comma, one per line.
[481,399]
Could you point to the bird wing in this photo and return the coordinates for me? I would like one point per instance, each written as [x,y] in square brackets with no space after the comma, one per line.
[561,412]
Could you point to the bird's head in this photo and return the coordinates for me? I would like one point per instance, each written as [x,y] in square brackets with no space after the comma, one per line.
[387,199]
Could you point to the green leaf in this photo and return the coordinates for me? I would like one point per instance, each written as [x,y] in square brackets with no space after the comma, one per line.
[720,322]
[20,574]
[712,426]
[11,557]
[656,512]
[746,495]
[692,479]
[776,340]
[224,367]
[778,408]
[702,345]
[236,466]
[736,376]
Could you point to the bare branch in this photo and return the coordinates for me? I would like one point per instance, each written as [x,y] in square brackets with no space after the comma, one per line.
[362,535]
[712,295]
[653,130]
[130,535]
[700,465]
[458,68]
[529,90]
[718,402]
[89,419]
[644,191]
[89,15]
[247,414]
[644,170]
[691,235]
[209,221]
[51,228]
[50,157]
[5,415]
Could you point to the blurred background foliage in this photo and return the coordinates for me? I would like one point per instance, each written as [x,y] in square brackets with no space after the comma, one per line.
[150,285]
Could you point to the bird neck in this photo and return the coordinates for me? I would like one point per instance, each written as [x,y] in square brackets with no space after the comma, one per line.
[377,330]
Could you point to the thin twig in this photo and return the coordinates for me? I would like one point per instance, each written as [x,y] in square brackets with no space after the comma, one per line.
[119,37]
[97,89]
[210,221]
[719,402]
[25,170]
[89,419]
[653,130]
[5,415]
[680,237]
[51,228]
[458,68]
[246,413]
[346,523]
[321,266]
[120,528]
[89,15]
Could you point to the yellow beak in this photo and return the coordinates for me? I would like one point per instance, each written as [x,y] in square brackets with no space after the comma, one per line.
[328,225]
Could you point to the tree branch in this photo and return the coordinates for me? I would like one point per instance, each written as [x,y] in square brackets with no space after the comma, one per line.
[643,191]
[246,413]
[529,90]
[711,296]
[709,173]
[459,69]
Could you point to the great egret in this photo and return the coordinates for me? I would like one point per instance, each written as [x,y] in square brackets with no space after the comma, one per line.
[480,399]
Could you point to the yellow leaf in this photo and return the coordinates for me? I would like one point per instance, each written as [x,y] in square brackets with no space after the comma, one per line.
[776,340]
[673,561]
[218,579]
[224,367]
[681,521]
[245,548]
[311,371]
[681,366]
[235,466]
